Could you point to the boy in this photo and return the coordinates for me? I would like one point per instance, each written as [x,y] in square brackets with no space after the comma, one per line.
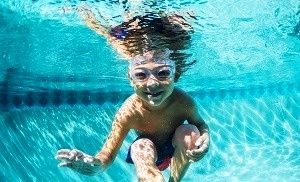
[157,112]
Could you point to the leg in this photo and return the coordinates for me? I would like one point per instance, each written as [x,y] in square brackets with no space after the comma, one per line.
[143,154]
[184,139]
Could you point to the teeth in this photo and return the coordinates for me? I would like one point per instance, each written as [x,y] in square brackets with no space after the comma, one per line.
[151,102]
[154,94]
[152,97]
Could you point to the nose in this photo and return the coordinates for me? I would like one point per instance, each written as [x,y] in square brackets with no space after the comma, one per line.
[152,81]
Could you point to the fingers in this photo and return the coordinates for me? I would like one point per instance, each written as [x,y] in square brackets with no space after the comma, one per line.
[69,155]
[83,8]
[203,148]
[200,150]
[199,142]
[202,143]
[63,151]
[63,154]
[88,159]
[73,158]
[194,157]
[65,164]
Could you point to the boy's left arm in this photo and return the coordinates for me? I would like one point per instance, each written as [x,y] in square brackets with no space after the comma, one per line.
[202,143]
[91,21]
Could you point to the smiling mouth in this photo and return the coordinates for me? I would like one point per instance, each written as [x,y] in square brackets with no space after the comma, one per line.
[156,94]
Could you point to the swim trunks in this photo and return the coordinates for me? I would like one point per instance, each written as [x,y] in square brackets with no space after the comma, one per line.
[164,154]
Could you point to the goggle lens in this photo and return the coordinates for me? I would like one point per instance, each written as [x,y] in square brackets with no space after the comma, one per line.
[164,74]
[141,75]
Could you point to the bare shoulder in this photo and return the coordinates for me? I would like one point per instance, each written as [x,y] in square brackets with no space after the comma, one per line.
[190,109]
[184,98]
[127,111]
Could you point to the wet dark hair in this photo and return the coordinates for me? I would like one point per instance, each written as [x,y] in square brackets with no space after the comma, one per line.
[155,32]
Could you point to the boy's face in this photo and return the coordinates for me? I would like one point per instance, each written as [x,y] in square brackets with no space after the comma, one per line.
[153,80]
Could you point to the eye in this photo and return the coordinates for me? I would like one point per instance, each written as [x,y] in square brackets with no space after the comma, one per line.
[140,75]
[164,73]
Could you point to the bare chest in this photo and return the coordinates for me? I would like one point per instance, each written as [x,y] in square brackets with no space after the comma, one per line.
[158,123]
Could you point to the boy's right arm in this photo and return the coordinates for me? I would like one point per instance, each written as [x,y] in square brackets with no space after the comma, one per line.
[120,128]
[91,165]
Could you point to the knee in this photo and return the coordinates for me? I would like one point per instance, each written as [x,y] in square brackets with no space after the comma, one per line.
[142,149]
[186,130]
[186,136]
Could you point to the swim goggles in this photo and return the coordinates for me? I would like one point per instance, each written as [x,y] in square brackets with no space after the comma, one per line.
[161,73]
[165,70]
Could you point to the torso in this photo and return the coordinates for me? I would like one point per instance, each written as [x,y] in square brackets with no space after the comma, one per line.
[159,125]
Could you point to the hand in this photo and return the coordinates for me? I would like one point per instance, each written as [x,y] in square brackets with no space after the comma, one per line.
[86,12]
[78,161]
[90,19]
[200,150]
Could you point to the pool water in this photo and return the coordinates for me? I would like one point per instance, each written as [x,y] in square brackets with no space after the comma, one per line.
[61,84]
